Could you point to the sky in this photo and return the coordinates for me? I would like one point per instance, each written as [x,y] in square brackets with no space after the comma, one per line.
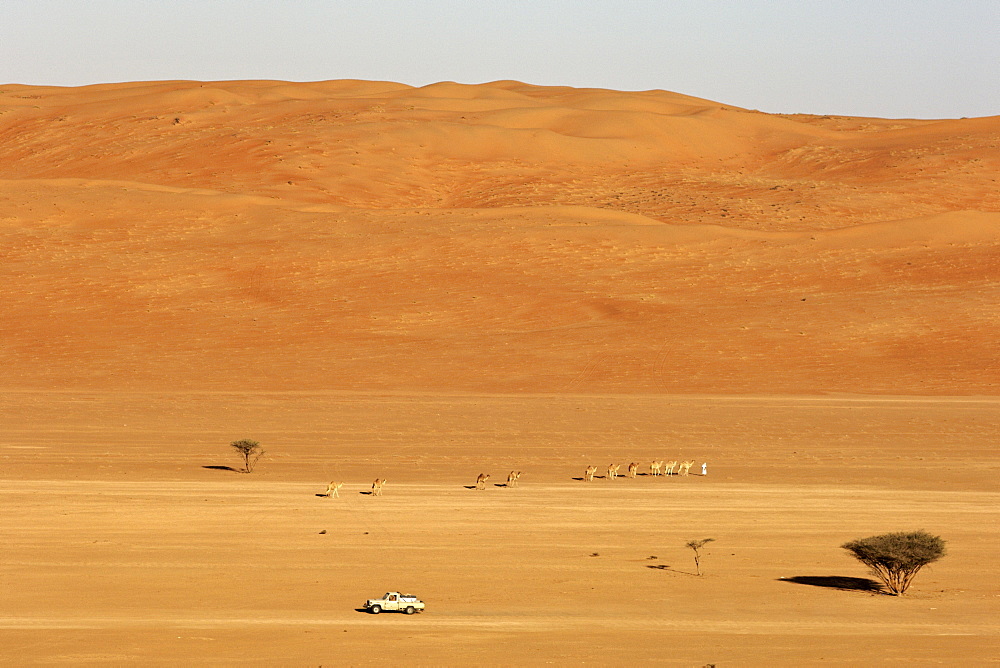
[886,58]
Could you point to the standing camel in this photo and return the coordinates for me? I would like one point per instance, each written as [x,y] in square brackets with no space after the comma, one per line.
[481,480]
[377,486]
[613,471]
[332,489]
[512,478]
[588,475]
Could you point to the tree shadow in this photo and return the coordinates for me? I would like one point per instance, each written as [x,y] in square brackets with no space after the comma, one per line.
[223,468]
[666,567]
[842,582]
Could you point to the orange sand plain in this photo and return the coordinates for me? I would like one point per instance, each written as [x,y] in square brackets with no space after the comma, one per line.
[427,283]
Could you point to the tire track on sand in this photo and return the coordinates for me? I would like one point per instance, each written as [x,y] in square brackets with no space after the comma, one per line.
[536,623]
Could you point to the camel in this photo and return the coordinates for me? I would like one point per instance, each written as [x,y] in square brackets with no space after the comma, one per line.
[613,471]
[656,468]
[332,489]
[633,469]
[685,467]
[481,480]
[589,473]
[669,467]
[512,478]
[377,486]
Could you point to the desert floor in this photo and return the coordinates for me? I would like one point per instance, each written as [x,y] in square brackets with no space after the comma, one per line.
[126,539]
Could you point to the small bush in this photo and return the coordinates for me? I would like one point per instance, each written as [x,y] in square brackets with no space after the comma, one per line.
[696,545]
[250,451]
[895,558]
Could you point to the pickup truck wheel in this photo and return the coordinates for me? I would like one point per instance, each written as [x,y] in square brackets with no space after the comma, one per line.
[375,609]
[410,610]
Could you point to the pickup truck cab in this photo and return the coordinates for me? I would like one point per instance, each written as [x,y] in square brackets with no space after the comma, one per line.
[394,601]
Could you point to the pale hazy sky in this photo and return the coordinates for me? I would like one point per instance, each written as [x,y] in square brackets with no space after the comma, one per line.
[892,58]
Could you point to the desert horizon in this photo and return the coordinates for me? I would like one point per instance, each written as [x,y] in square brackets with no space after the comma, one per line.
[423,284]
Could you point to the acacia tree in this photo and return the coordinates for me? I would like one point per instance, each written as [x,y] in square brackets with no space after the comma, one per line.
[696,545]
[250,451]
[895,558]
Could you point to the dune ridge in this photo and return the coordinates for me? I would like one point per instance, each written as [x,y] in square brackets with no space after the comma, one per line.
[499,237]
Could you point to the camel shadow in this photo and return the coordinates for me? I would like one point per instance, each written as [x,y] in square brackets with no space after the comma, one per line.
[842,582]
[368,493]
[223,468]
[470,487]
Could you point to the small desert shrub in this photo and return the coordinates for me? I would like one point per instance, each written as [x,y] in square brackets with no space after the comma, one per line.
[895,558]
[696,545]
[250,451]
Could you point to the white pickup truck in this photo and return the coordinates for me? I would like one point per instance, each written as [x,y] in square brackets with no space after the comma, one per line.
[393,600]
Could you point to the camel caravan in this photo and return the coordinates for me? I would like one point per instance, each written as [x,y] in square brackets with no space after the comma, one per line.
[333,489]
[656,468]
[512,479]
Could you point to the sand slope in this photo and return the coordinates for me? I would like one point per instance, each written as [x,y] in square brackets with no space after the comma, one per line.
[499,237]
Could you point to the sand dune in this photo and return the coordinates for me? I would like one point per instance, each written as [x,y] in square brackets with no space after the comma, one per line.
[953,227]
[383,145]
[344,222]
